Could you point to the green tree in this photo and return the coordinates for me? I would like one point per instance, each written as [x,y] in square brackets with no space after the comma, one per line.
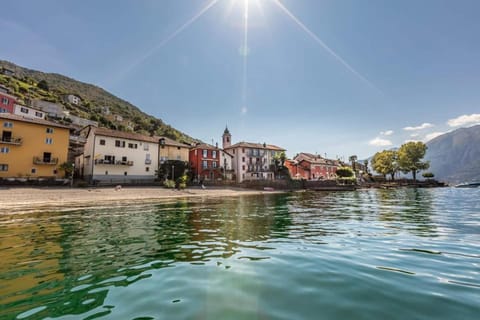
[410,157]
[67,168]
[353,160]
[428,175]
[344,172]
[43,85]
[173,169]
[385,162]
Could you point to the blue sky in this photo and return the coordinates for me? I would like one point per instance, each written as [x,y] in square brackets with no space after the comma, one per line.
[336,77]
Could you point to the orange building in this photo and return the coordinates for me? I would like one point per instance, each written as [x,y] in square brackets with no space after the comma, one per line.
[31,147]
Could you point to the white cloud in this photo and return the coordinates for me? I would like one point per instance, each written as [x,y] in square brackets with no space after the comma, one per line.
[244,110]
[387,133]
[464,120]
[379,142]
[411,140]
[420,127]
[413,135]
[432,135]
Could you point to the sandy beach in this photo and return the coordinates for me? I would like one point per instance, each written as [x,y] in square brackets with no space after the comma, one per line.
[15,199]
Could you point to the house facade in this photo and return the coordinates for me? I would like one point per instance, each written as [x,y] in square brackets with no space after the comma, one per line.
[28,112]
[251,161]
[51,109]
[31,147]
[73,99]
[312,167]
[7,103]
[117,157]
[205,162]
[172,150]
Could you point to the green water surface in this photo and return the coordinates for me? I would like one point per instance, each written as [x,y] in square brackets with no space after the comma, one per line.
[375,254]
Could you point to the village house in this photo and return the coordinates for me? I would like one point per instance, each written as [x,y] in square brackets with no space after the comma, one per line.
[73,99]
[205,162]
[172,150]
[28,112]
[312,167]
[32,147]
[117,157]
[7,103]
[53,110]
[251,161]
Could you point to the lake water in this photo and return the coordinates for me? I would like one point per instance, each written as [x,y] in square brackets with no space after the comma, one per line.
[373,254]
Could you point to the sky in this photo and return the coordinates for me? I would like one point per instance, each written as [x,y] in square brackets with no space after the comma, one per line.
[333,77]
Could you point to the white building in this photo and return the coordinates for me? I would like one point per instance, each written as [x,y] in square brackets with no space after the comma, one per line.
[251,161]
[117,157]
[28,112]
[73,99]
[226,164]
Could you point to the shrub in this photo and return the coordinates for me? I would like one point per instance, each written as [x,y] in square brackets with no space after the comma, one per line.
[170,184]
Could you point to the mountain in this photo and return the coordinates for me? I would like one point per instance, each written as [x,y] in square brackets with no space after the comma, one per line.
[29,84]
[455,156]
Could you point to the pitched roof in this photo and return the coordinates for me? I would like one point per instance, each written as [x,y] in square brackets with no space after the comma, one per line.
[121,134]
[255,146]
[171,142]
[205,146]
[31,120]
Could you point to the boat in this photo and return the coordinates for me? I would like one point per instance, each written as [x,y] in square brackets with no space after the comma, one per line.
[468,185]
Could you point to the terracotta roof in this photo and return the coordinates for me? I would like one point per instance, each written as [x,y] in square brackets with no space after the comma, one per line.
[205,146]
[256,146]
[31,120]
[171,142]
[124,135]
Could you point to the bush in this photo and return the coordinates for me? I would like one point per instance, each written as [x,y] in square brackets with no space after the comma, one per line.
[170,184]
[182,182]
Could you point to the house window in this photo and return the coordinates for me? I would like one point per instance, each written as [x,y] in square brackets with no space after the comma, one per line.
[106,173]
[178,148]
[55,171]
[145,146]
[132,145]
[243,159]
[125,173]
[205,153]
[233,151]
[38,114]
[124,159]
[204,164]
[49,130]
[5,101]
[3,167]
[120,144]
[4,149]
[147,169]
[8,125]
[102,142]
[243,150]
[23,110]
[214,164]
[243,167]
[33,171]
[179,157]
[49,141]
[3,110]
[214,154]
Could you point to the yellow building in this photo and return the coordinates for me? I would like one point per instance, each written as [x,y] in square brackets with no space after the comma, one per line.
[172,150]
[31,147]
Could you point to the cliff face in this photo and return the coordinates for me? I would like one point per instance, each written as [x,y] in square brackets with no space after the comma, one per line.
[455,156]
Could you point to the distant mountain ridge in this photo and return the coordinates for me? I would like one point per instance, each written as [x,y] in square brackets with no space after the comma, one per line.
[24,84]
[455,156]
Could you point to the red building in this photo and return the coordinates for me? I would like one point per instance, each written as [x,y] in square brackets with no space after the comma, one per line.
[205,162]
[7,103]
[312,167]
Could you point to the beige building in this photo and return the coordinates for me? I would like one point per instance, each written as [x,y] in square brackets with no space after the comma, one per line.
[251,161]
[117,157]
[172,150]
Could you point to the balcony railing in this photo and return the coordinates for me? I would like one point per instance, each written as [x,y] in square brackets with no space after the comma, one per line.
[148,161]
[117,163]
[15,141]
[255,155]
[45,161]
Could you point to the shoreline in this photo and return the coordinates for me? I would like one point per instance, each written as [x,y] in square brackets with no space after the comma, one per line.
[27,199]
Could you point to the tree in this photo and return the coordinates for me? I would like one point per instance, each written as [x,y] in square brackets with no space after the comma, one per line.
[43,85]
[410,157]
[385,162]
[344,172]
[67,168]
[428,175]
[172,169]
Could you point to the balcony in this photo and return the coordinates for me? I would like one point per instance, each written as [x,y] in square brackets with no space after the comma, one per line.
[148,161]
[252,154]
[11,140]
[45,161]
[114,163]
